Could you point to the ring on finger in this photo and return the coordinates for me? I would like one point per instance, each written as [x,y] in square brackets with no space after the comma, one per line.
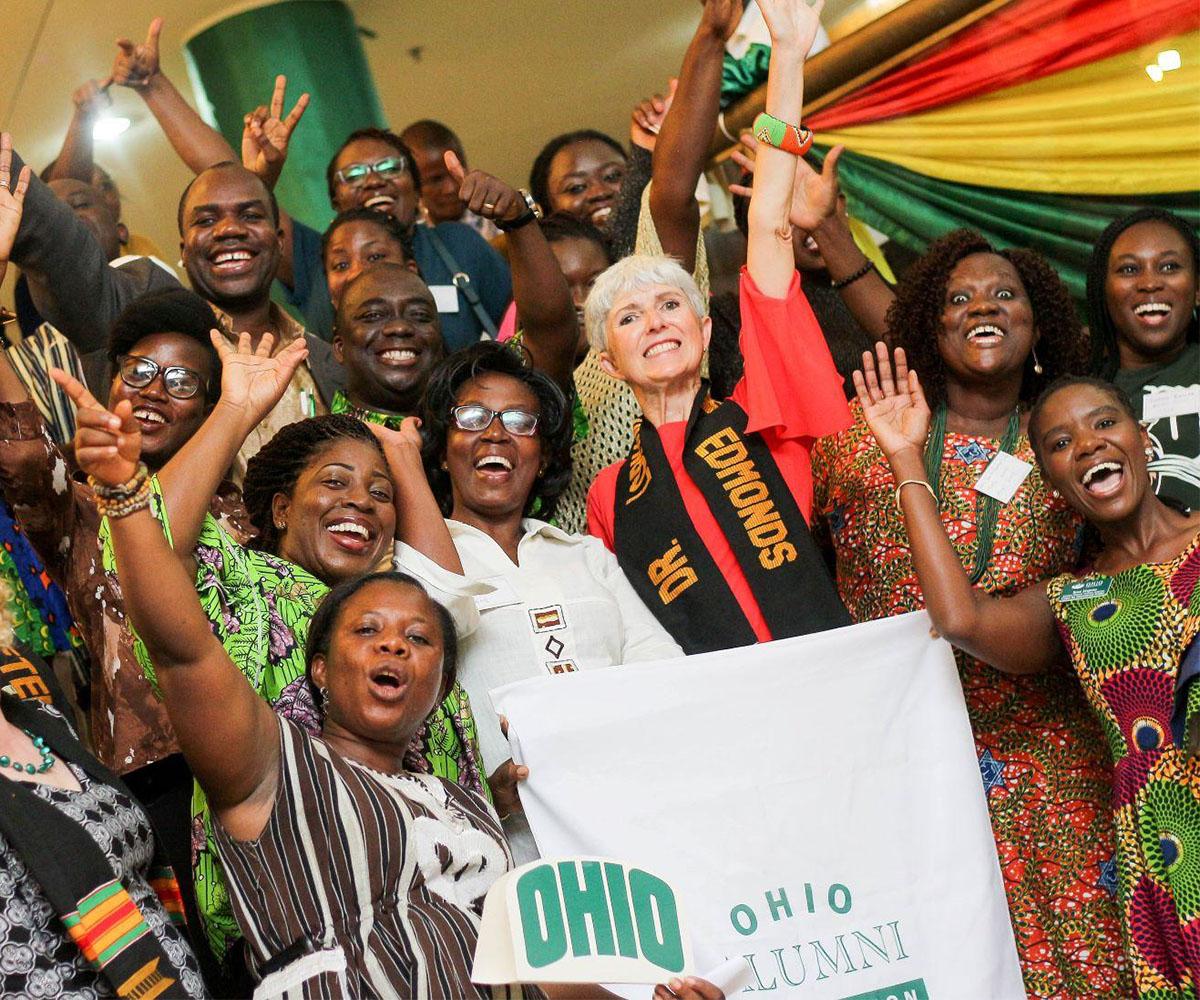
[488,206]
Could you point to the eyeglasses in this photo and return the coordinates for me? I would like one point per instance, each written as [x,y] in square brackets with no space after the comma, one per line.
[473,417]
[180,383]
[357,173]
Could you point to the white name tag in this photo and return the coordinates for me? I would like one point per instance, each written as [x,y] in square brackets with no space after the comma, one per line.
[1003,477]
[446,298]
[1163,402]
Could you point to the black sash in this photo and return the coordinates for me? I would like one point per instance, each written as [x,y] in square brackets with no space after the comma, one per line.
[670,568]
[94,907]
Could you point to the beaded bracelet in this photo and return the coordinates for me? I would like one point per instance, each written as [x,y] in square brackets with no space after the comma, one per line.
[862,272]
[124,506]
[794,139]
[121,490]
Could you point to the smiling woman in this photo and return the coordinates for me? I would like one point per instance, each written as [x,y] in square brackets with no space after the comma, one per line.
[971,320]
[1127,623]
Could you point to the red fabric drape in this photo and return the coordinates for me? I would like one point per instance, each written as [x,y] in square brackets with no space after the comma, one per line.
[1023,41]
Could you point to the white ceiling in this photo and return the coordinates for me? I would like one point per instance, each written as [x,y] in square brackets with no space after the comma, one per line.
[507,74]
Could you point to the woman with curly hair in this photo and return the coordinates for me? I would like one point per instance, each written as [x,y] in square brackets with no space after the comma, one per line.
[1143,290]
[497,450]
[987,330]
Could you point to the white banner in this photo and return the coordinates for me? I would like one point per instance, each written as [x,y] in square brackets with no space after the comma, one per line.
[816,802]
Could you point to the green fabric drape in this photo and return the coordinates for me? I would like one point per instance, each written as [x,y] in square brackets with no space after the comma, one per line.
[233,64]
[913,210]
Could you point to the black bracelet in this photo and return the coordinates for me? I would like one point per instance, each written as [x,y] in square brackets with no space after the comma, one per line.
[521,220]
[860,273]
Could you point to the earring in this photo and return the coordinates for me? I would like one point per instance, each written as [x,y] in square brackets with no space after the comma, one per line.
[324,693]
[1149,452]
[1037,365]
[280,525]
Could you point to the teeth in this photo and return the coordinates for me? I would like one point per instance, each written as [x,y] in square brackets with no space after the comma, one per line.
[1095,470]
[986,330]
[1152,309]
[225,258]
[401,354]
[811,245]
[663,348]
[379,200]
[350,528]
[499,460]
[143,414]
[601,213]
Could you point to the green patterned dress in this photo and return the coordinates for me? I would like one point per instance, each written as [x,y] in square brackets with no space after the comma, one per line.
[260,607]
[1127,635]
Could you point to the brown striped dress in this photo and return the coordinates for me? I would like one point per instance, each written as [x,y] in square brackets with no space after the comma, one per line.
[372,883]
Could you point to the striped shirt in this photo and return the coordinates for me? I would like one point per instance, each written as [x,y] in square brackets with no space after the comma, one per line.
[374,881]
[32,360]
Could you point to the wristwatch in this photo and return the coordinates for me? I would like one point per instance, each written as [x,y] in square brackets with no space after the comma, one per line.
[532,213]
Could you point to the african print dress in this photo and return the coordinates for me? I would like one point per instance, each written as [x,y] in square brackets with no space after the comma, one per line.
[1127,635]
[1041,755]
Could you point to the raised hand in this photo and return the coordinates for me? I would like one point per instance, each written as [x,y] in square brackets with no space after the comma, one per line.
[251,380]
[648,115]
[12,201]
[90,98]
[815,196]
[689,988]
[407,438]
[108,445]
[721,17]
[136,64]
[267,133]
[485,195]
[894,408]
[793,24]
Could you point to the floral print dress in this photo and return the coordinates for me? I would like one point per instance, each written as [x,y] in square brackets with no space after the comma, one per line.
[1127,635]
[1041,755]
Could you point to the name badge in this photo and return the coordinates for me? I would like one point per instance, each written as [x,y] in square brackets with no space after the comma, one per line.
[1086,590]
[445,297]
[1003,477]
[1164,402]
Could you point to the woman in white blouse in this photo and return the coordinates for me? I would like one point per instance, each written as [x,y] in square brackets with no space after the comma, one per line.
[498,436]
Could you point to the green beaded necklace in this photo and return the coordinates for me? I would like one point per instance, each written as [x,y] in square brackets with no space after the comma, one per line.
[987,509]
[39,745]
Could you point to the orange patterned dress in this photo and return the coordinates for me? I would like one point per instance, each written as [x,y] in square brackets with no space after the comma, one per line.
[1042,757]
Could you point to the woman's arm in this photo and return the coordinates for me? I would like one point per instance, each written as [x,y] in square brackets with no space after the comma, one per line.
[793,26]
[682,146]
[545,311]
[419,521]
[252,382]
[228,734]
[1015,634]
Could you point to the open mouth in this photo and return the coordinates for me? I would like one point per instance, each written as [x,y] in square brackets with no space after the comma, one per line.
[354,536]
[662,347]
[1103,479]
[401,357]
[600,216]
[1153,313]
[985,334]
[388,683]
[232,261]
[380,202]
[149,420]
[811,245]
[495,467]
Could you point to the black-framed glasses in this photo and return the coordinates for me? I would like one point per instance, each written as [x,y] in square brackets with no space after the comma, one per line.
[357,173]
[473,417]
[180,383]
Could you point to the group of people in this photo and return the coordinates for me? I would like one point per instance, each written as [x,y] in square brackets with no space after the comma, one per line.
[281,555]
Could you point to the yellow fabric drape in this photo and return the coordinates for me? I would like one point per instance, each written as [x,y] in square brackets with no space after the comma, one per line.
[1103,128]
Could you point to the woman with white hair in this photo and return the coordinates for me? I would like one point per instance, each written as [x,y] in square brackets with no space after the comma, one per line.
[709,514]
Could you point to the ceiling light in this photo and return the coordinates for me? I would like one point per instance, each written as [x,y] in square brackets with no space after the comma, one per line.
[1154,71]
[109,127]
[1169,60]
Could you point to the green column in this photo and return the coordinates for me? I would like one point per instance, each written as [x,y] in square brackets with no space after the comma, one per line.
[233,63]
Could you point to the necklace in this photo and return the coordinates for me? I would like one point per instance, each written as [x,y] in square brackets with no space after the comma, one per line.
[987,509]
[39,745]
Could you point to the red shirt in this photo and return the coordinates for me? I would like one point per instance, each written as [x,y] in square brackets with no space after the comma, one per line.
[792,395]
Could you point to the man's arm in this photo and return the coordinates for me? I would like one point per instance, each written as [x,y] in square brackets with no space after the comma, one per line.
[74,160]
